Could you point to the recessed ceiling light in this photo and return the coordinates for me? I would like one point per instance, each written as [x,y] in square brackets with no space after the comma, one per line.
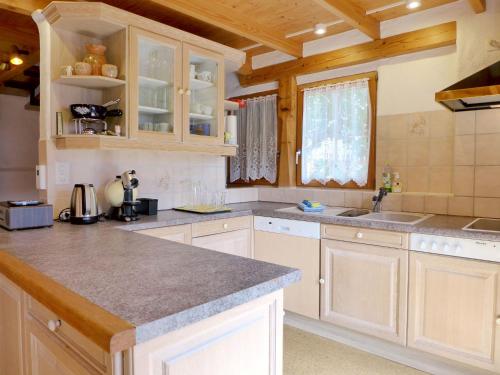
[319,29]
[413,4]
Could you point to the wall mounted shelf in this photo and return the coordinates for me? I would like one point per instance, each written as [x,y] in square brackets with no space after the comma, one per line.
[106,142]
[198,84]
[91,82]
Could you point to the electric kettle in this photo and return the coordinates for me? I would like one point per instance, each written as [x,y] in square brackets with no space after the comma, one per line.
[83,209]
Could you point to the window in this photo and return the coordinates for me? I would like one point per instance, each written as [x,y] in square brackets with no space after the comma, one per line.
[336,133]
[257,158]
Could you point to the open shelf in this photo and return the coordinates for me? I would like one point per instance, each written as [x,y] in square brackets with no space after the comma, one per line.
[152,82]
[91,82]
[106,142]
[199,116]
[152,110]
[198,84]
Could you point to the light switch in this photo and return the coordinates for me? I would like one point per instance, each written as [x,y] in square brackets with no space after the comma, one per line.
[62,173]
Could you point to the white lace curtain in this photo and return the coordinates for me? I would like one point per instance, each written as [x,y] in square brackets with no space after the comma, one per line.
[336,133]
[257,140]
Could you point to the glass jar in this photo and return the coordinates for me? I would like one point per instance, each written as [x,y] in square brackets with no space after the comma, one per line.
[95,57]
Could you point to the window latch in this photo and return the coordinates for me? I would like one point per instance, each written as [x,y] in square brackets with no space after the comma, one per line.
[297,155]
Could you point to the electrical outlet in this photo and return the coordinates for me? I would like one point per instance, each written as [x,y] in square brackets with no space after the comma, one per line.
[62,173]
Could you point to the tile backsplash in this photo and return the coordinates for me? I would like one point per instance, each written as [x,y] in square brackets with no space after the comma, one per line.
[449,163]
[167,176]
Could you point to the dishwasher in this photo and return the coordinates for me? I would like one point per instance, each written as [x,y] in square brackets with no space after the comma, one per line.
[296,244]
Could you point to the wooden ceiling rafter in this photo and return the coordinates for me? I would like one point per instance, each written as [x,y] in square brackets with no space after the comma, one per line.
[353,15]
[396,45]
[25,7]
[226,19]
[479,6]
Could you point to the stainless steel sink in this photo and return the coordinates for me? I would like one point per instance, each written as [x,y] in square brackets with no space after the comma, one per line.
[395,217]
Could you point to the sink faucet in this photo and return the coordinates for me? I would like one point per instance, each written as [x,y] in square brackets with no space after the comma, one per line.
[377,199]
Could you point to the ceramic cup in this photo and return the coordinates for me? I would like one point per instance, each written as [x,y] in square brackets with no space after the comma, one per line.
[83,69]
[67,70]
[205,76]
[196,107]
[206,110]
[109,70]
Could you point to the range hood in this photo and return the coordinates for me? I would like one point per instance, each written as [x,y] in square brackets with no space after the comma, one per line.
[478,91]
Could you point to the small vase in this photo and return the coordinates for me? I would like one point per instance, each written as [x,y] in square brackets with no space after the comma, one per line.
[95,57]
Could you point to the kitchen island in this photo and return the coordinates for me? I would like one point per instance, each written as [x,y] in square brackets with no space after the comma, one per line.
[145,305]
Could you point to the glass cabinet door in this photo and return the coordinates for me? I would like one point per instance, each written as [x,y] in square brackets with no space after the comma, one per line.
[156,74]
[204,95]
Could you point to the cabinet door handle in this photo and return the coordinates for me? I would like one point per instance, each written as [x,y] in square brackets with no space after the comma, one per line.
[188,92]
[359,235]
[321,281]
[180,91]
[54,324]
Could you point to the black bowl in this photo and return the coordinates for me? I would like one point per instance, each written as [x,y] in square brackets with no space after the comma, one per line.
[88,111]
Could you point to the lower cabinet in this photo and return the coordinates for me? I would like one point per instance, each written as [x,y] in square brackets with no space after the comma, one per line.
[47,356]
[178,233]
[238,242]
[365,288]
[454,309]
[245,340]
[11,328]
[296,252]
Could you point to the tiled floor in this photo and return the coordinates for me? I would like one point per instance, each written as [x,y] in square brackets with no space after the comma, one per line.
[307,354]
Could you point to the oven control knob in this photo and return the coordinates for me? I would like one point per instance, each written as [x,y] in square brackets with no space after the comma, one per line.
[446,247]
[457,248]
[423,245]
[434,246]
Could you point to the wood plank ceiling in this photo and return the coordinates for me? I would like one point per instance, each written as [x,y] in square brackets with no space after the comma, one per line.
[287,20]
[256,26]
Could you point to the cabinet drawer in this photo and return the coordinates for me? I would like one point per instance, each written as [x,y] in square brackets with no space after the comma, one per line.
[178,233]
[81,345]
[364,235]
[206,228]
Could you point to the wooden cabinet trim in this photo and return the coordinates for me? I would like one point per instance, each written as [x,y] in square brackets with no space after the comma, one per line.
[422,266]
[368,236]
[205,228]
[397,263]
[103,328]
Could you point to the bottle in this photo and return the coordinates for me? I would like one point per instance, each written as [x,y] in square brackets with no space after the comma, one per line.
[397,187]
[387,178]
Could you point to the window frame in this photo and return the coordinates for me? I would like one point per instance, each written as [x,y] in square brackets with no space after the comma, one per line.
[260,181]
[372,86]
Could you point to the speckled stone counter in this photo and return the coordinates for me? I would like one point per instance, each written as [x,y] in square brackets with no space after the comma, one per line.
[159,286]
[156,285]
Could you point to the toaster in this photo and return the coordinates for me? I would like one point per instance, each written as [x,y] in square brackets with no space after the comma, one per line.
[25,216]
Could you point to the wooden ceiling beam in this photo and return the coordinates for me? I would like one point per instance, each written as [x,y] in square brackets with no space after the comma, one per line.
[479,6]
[30,60]
[23,6]
[413,41]
[226,18]
[19,38]
[353,15]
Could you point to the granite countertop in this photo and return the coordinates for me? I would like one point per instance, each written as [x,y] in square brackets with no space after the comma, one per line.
[156,285]
[159,286]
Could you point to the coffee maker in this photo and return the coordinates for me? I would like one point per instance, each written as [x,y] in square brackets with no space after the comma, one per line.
[121,194]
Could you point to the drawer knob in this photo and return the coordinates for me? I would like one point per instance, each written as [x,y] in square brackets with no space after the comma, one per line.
[188,92]
[225,226]
[498,320]
[359,235]
[180,91]
[54,324]
[321,281]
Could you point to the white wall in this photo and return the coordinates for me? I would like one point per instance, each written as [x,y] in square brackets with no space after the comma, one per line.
[167,176]
[19,131]
[407,83]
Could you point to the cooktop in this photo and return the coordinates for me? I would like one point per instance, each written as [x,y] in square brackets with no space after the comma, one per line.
[484,225]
